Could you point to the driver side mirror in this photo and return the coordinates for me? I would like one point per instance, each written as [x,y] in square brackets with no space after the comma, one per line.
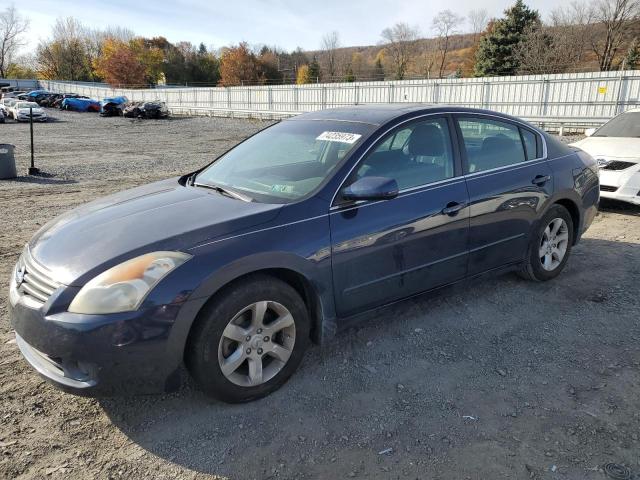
[371,188]
[589,131]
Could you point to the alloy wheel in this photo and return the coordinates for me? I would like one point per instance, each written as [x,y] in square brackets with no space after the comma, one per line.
[554,243]
[257,343]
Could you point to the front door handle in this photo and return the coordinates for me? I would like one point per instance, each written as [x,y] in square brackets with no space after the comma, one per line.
[453,208]
[541,179]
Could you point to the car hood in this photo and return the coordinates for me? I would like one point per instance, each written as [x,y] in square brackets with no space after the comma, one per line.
[610,147]
[160,216]
[26,110]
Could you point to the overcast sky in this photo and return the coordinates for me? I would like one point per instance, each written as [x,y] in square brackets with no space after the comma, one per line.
[283,23]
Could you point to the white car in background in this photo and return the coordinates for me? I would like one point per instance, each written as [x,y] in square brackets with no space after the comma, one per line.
[616,147]
[20,112]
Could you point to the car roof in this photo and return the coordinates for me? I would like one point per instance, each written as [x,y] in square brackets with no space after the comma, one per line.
[379,114]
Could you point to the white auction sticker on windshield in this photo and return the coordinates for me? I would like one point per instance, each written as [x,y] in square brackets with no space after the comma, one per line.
[342,137]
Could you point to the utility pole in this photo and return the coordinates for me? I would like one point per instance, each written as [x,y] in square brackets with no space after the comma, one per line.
[32,169]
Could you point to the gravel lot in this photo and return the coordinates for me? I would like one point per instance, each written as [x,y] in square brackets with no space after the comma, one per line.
[499,379]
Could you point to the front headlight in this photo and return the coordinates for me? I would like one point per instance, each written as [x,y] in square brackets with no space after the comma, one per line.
[124,287]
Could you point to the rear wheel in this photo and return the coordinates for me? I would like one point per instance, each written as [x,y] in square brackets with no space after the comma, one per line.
[249,340]
[550,245]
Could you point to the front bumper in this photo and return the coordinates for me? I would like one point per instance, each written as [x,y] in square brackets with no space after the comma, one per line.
[97,355]
[623,185]
[25,118]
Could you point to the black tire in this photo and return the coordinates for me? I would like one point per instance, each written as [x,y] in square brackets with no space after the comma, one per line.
[532,268]
[201,355]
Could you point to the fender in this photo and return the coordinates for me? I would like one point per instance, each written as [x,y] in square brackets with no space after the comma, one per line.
[322,289]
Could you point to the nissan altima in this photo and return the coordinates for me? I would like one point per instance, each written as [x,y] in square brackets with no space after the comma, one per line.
[233,270]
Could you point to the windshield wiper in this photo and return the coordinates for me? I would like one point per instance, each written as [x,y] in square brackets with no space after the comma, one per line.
[225,191]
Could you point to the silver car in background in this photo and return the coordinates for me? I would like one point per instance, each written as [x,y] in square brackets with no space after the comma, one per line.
[20,111]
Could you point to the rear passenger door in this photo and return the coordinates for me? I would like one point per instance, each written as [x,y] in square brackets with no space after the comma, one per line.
[509,180]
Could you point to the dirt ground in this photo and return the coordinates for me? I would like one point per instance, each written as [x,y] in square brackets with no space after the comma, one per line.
[498,379]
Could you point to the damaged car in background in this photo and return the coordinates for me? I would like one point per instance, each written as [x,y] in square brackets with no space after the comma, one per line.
[155,109]
[80,104]
[113,106]
[616,148]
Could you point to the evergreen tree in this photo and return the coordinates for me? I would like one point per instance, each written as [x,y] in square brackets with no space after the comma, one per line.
[632,58]
[314,71]
[495,54]
[349,75]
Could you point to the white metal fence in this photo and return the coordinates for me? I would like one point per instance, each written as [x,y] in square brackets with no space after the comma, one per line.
[22,84]
[575,100]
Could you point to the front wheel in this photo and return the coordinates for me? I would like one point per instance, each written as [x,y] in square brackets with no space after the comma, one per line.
[550,246]
[249,340]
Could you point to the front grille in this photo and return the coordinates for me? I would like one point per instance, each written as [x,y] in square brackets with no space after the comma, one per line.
[617,165]
[607,188]
[36,281]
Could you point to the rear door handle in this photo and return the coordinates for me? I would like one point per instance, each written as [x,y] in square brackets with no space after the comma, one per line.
[453,208]
[541,179]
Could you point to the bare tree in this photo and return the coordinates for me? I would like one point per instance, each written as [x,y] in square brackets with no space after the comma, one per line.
[478,19]
[66,56]
[12,26]
[538,53]
[427,58]
[572,28]
[329,47]
[445,24]
[616,18]
[400,42]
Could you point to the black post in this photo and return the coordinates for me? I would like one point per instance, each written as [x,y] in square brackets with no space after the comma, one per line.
[32,169]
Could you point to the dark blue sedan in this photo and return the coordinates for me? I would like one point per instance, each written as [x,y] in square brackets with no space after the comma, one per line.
[234,269]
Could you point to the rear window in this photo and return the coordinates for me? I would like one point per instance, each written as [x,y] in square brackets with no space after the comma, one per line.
[530,144]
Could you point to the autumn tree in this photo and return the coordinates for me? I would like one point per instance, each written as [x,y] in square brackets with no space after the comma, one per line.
[23,66]
[399,43]
[12,29]
[119,64]
[378,67]
[302,77]
[238,66]
[358,66]
[267,65]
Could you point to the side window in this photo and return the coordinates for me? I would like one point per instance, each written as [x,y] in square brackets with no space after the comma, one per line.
[395,141]
[530,144]
[416,155]
[490,143]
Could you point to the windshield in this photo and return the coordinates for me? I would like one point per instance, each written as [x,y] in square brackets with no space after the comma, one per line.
[26,105]
[625,125]
[286,161]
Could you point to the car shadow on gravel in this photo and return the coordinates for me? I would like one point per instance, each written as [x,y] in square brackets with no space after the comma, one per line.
[482,348]
[616,206]
[44,178]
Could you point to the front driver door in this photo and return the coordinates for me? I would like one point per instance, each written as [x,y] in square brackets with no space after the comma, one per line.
[386,250]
